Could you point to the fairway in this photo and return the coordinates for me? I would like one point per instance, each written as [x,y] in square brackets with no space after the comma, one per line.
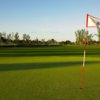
[49,73]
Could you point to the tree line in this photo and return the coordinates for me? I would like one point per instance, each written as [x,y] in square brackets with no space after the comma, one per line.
[13,39]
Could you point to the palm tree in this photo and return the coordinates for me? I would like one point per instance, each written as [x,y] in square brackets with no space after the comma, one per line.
[81,35]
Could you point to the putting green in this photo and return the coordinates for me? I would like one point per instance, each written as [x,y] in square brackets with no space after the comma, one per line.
[49,77]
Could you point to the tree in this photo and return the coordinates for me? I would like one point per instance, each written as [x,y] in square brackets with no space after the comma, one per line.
[81,35]
[26,37]
[89,39]
[0,37]
[36,42]
[9,37]
[16,37]
[98,35]
[26,40]
[43,42]
[3,37]
[52,42]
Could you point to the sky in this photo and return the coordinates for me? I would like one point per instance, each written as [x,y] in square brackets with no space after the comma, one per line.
[46,19]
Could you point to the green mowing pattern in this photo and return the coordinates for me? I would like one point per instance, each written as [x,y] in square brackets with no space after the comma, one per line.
[48,51]
[52,73]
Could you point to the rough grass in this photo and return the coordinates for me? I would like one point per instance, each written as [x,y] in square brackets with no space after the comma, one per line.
[49,77]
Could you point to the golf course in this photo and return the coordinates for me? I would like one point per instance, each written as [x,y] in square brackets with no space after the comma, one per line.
[49,73]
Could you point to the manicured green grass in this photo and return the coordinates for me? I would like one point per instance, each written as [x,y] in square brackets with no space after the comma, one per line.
[52,73]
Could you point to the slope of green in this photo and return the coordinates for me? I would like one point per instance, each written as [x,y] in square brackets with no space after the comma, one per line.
[52,73]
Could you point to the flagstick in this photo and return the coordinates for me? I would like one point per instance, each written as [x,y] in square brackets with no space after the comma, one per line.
[82,81]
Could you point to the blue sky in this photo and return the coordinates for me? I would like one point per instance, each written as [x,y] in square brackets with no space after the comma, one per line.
[45,19]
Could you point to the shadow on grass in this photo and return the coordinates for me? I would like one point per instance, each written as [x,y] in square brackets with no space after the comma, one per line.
[26,66]
[48,54]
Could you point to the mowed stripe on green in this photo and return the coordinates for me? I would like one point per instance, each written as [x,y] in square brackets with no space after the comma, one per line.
[49,51]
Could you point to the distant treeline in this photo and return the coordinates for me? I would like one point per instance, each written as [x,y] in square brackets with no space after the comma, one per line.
[13,40]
